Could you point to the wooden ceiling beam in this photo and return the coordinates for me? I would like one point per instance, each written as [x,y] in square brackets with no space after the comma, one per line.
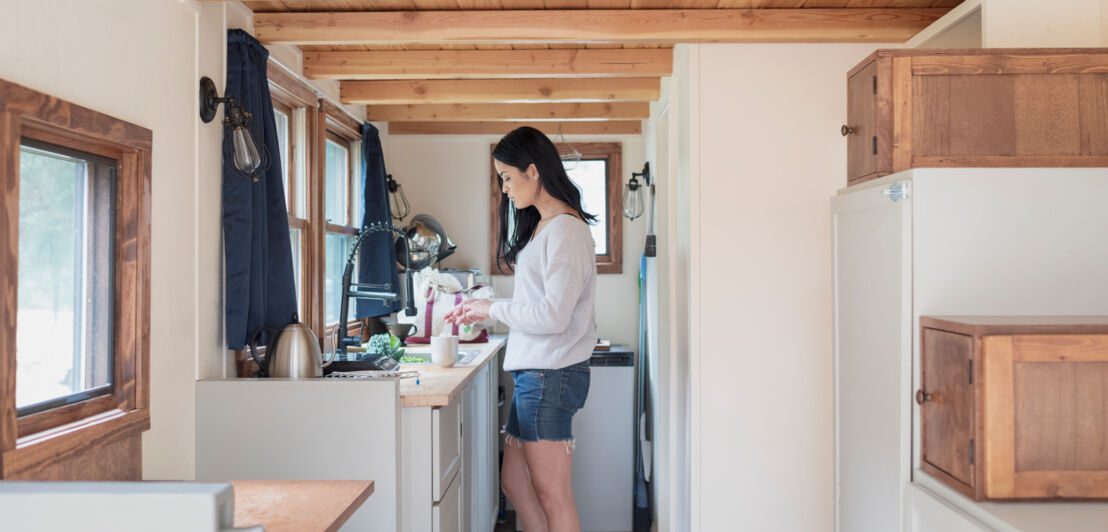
[509,111]
[499,128]
[499,90]
[474,64]
[660,26]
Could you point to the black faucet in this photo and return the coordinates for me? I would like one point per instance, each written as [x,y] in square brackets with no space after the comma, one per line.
[381,292]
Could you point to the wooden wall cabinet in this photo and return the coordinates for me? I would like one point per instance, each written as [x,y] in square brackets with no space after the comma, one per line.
[1016,407]
[981,107]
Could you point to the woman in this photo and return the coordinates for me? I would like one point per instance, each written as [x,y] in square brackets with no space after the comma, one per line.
[552,323]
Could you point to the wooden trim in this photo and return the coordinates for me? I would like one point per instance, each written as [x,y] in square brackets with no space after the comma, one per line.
[72,120]
[481,112]
[70,413]
[902,114]
[501,128]
[1060,348]
[289,86]
[317,140]
[654,26]
[486,64]
[341,121]
[39,451]
[883,116]
[507,91]
[1030,485]
[342,229]
[1004,161]
[998,461]
[1085,62]
[1018,325]
[9,272]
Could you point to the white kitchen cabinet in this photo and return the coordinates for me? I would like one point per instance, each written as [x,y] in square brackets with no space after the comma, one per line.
[446,447]
[480,429]
[980,241]
[449,466]
[446,515]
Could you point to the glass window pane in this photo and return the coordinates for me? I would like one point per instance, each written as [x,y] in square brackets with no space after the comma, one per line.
[299,141]
[63,320]
[294,237]
[335,182]
[283,145]
[357,186]
[337,246]
[591,177]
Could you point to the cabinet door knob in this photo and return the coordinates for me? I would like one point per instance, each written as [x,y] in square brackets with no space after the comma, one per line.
[846,130]
[922,397]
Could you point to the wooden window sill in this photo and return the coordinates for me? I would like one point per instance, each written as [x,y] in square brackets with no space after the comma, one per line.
[36,452]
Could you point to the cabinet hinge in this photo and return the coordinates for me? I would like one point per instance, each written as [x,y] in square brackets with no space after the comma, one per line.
[875,84]
[969,371]
[897,191]
[875,144]
[971,451]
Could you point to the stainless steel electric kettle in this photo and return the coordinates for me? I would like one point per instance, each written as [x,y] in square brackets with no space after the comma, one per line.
[293,352]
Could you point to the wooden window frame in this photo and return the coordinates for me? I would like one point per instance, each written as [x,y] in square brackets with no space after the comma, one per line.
[612,152]
[337,125]
[290,94]
[100,437]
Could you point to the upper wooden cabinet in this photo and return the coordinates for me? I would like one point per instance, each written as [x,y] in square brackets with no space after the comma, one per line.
[981,107]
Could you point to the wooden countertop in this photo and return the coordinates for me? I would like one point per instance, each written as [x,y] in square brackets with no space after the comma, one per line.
[439,386]
[298,505]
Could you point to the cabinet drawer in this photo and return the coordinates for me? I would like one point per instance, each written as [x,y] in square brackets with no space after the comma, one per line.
[446,515]
[446,446]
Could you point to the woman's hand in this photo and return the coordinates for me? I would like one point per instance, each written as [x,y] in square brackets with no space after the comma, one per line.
[471,311]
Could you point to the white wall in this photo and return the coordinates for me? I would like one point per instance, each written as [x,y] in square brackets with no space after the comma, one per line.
[448,177]
[767,158]
[1033,23]
[668,136]
[136,60]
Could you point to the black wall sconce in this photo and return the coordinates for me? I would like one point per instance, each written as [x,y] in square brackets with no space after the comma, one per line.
[251,157]
[633,204]
[400,206]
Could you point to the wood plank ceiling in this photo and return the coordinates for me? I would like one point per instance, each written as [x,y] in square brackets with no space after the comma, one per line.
[569,66]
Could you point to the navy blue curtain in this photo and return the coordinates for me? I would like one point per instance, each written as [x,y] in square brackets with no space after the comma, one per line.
[377,256]
[260,285]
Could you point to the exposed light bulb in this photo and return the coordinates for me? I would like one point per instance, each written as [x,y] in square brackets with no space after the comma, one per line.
[247,158]
[633,205]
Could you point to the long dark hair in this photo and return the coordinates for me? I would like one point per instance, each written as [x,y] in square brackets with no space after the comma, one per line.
[521,148]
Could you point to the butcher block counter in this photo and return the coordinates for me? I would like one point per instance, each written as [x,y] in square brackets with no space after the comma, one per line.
[298,505]
[439,386]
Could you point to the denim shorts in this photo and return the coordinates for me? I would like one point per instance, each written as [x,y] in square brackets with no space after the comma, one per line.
[544,402]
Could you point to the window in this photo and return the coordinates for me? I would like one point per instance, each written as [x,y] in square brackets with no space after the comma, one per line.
[597,175]
[291,118]
[65,277]
[342,207]
[320,147]
[74,331]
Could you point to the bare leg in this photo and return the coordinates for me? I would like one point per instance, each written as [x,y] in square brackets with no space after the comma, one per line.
[551,466]
[515,480]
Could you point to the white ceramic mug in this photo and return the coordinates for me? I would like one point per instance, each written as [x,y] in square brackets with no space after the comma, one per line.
[444,350]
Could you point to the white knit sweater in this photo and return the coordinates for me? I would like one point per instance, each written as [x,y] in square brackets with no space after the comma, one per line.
[552,315]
